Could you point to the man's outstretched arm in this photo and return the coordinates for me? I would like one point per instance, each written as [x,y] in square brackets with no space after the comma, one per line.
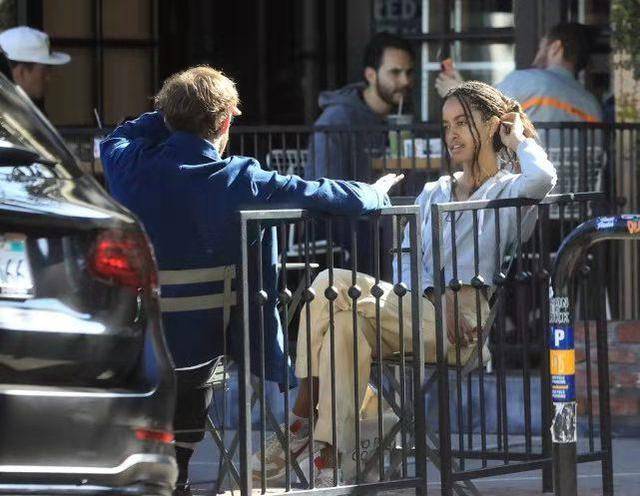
[324,195]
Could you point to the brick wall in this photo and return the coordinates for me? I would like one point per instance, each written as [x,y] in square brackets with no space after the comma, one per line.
[624,374]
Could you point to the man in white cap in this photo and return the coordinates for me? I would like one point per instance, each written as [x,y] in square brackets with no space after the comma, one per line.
[30,56]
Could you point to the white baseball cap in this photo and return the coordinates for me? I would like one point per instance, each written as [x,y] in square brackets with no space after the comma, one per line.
[24,44]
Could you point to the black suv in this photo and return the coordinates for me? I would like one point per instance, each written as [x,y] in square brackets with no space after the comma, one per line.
[86,383]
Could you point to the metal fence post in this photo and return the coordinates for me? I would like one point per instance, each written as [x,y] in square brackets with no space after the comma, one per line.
[244,422]
[444,427]
[542,275]
[605,408]
[418,351]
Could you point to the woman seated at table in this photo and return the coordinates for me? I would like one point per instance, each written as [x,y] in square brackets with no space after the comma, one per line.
[493,142]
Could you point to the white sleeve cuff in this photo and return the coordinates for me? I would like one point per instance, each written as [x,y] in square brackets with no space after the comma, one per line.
[529,144]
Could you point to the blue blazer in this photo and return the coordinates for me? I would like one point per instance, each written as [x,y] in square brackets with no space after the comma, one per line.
[188,197]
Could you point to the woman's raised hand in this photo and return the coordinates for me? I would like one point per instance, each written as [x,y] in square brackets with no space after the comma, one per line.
[512,130]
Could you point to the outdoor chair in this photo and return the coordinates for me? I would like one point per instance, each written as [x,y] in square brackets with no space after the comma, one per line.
[215,373]
[390,372]
[288,162]
[212,374]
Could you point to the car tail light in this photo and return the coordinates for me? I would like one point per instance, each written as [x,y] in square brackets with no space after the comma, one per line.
[151,435]
[125,258]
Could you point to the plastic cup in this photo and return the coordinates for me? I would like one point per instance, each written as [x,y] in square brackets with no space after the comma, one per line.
[396,136]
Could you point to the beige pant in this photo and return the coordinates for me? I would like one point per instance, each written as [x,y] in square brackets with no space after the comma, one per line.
[390,318]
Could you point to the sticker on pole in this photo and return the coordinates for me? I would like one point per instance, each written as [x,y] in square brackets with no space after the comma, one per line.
[562,361]
[563,423]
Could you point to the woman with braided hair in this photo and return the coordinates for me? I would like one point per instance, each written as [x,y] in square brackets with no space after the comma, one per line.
[491,143]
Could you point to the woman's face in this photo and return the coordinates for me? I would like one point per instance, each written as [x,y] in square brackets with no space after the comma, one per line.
[457,132]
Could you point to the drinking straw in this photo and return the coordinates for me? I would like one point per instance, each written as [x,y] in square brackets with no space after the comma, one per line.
[97,116]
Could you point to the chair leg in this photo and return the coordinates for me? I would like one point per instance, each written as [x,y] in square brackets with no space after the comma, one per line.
[226,456]
[463,488]
[385,442]
[273,423]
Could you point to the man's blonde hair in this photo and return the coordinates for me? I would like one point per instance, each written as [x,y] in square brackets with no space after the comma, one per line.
[197,100]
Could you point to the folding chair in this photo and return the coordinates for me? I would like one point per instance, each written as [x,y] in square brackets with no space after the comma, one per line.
[288,162]
[392,369]
[212,374]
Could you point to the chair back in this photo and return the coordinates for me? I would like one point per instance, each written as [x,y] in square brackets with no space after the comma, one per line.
[288,162]
[224,299]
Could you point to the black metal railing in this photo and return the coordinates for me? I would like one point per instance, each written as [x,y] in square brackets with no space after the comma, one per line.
[494,420]
[475,435]
[333,303]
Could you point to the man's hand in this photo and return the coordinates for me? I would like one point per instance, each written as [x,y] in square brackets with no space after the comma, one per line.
[447,80]
[386,182]
[511,131]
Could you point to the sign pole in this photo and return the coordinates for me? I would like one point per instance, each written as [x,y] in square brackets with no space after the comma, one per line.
[562,362]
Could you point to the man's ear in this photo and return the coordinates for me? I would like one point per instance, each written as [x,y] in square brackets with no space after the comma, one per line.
[370,75]
[17,71]
[226,124]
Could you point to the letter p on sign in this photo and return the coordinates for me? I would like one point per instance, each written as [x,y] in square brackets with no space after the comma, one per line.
[558,337]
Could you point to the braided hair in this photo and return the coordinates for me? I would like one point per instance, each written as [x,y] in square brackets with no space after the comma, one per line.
[489,102]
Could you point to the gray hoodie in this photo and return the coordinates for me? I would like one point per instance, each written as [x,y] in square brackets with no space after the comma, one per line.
[341,153]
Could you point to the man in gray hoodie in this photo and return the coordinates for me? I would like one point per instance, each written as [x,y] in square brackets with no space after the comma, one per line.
[340,147]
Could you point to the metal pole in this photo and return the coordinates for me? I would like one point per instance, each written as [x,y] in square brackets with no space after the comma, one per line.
[310,44]
[563,423]
[562,362]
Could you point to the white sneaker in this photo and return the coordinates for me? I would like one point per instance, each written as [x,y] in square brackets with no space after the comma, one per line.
[324,475]
[275,460]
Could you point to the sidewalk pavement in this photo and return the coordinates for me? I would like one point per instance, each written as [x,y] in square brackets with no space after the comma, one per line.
[626,461]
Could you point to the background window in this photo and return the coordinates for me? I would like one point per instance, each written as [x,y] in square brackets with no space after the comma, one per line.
[477,34]
[113,69]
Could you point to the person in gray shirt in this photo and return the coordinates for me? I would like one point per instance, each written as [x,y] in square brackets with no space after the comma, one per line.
[484,131]
[549,91]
